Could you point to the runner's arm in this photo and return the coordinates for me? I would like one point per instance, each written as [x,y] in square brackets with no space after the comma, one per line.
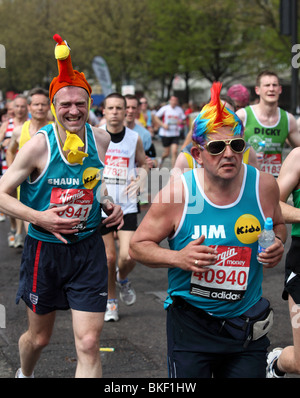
[269,197]
[161,222]
[29,159]
[138,184]
[294,134]
[13,145]
[113,211]
[288,180]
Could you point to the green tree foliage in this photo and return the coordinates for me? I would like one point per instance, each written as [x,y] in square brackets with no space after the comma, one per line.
[142,41]
[23,33]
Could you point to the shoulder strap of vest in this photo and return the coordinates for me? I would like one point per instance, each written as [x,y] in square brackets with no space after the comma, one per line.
[284,116]
[249,114]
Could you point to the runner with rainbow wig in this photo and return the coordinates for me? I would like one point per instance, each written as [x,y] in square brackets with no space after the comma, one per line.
[213,116]
[214,277]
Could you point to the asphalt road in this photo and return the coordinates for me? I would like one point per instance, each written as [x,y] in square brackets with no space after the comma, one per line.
[138,338]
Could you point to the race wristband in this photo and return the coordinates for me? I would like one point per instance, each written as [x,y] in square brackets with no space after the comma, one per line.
[279,239]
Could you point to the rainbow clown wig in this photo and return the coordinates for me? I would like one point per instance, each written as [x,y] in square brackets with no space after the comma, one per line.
[213,116]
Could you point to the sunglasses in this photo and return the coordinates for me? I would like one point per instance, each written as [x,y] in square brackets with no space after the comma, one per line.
[217,147]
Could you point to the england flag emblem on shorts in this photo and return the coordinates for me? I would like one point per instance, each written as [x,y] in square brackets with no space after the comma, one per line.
[33,298]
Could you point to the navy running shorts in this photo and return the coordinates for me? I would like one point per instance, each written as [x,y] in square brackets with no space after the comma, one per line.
[199,348]
[292,272]
[55,276]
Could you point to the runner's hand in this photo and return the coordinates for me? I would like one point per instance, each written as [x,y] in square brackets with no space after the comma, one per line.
[52,222]
[273,254]
[196,257]
[114,213]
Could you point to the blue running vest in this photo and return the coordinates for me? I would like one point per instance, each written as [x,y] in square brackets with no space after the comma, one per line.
[63,183]
[233,284]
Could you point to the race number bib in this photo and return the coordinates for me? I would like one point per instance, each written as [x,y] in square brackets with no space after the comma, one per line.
[271,163]
[116,169]
[79,203]
[227,279]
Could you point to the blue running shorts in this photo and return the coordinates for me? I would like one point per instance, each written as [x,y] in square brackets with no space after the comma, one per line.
[197,348]
[55,276]
[292,272]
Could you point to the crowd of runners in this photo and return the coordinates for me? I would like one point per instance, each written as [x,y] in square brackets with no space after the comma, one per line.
[74,178]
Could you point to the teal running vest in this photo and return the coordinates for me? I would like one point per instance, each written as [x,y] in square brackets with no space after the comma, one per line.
[233,284]
[63,183]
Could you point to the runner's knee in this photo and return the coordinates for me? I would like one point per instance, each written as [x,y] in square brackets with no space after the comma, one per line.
[88,344]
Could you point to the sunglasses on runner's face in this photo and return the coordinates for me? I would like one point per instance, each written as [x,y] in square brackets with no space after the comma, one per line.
[217,147]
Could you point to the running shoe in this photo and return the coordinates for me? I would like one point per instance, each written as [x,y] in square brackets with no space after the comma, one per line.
[11,239]
[272,357]
[111,313]
[19,375]
[127,293]
[19,242]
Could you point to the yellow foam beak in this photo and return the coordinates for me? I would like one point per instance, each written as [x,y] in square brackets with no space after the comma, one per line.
[72,143]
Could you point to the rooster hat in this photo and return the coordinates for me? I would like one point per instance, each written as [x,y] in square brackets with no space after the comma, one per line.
[67,76]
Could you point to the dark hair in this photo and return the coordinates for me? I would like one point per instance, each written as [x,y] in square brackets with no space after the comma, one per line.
[266,73]
[132,97]
[37,91]
[114,95]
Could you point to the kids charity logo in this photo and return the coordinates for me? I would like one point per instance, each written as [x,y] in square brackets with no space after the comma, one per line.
[247,228]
